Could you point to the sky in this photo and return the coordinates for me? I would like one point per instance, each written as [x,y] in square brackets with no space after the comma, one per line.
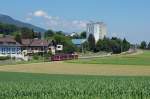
[124,18]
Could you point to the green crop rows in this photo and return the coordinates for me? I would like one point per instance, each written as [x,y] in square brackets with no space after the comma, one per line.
[39,86]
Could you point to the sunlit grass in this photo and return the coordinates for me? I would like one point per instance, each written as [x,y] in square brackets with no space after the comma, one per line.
[140,59]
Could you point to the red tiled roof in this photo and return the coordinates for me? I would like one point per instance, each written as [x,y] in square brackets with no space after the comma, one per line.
[9,41]
[34,42]
[26,42]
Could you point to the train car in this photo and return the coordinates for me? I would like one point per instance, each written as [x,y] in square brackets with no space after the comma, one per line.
[62,57]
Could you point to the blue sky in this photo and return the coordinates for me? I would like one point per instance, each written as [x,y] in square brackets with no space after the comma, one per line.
[124,18]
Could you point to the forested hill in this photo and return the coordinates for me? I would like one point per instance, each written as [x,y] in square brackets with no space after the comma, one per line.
[9,20]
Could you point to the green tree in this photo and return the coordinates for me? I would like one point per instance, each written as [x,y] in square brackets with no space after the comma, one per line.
[143,45]
[49,33]
[106,44]
[125,45]
[91,42]
[76,36]
[83,35]
[115,47]
[27,33]
[18,38]
[148,46]
[60,33]
[68,46]
[99,45]
[7,29]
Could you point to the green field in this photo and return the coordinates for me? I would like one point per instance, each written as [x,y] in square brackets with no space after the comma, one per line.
[140,59]
[44,86]
[58,83]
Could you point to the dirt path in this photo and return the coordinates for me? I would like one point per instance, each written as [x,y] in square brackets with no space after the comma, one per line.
[83,69]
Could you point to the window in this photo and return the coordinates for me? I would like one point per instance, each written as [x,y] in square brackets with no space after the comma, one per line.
[13,50]
[4,50]
[18,50]
[8,50]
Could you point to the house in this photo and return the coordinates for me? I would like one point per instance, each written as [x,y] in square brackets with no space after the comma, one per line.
[30,46]
[9,47]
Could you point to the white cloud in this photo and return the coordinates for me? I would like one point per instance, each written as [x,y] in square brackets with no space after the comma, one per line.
[78,23]
[57,23]
[40,13]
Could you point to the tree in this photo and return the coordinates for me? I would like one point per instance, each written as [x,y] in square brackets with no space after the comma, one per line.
[7,29]
[68,46]
[60,33]
[148,46]
[106,44]
[49,33]
[27,33]
[143,45]
[18,38]
[91,41]
[125,45]
[115,47]
[76,36]
[99,45]
[83,35]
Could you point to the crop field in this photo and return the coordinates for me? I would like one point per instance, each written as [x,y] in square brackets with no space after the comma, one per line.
[79,80]
[140,59]
[45,86]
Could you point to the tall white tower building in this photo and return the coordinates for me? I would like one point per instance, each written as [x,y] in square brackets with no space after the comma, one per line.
[98,29]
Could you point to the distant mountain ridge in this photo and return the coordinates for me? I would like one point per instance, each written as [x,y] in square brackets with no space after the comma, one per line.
[9,20]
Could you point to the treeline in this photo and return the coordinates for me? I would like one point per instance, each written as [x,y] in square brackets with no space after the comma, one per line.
[144,45]
[115,45]
[8,29]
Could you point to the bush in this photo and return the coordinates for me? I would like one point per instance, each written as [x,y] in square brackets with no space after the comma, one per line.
[35,56]
[47,56]
[4,58]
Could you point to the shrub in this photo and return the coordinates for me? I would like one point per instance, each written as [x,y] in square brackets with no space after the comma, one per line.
[4,57]
[35,56]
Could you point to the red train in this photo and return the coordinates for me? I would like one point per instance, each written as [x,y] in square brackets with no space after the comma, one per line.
[61,57]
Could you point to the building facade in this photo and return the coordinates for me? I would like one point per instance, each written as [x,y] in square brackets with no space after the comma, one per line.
[9,47]
[98,29]
[30,46]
